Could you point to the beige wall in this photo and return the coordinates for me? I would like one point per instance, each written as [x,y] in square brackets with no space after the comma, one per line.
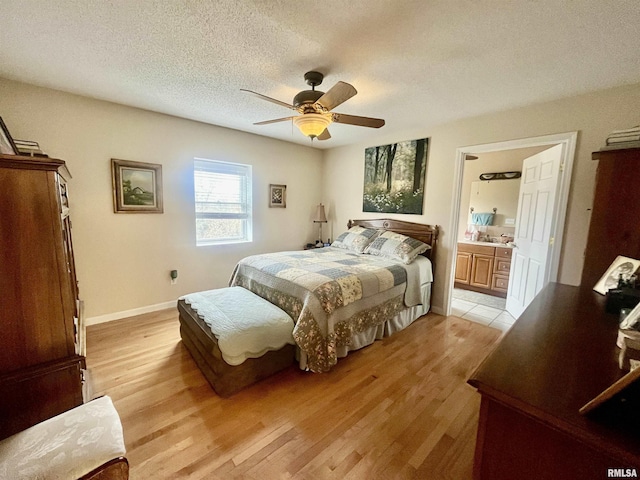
[593,116]
[123,260]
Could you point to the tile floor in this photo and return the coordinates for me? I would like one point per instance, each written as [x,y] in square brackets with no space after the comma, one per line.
[481,308]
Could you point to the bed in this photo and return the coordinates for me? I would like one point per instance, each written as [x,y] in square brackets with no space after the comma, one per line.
[341,299]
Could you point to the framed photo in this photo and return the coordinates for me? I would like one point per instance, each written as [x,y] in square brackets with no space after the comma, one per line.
[7,146]
[624,266]
[137,187]
[278,196]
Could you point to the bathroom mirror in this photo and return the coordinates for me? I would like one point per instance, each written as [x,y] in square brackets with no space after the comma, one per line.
[501,195]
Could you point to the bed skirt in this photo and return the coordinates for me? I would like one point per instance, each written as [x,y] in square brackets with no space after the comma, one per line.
[399,322]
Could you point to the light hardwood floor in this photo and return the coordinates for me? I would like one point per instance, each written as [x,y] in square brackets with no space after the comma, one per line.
[398,409]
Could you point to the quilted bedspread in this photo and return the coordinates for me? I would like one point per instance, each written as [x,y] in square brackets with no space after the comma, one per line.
[331,294]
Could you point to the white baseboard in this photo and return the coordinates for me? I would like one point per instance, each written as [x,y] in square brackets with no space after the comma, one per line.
[129,313]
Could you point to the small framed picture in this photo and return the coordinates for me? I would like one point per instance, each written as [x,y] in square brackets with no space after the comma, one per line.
[622,267]
[278,196]
[7,146]
[137,187]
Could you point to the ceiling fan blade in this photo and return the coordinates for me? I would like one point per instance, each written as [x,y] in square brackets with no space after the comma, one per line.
[360,121]
[269,99]
[267,122]
[339,93]
[324,135]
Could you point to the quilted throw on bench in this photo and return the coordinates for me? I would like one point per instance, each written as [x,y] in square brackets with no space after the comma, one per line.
[330,293]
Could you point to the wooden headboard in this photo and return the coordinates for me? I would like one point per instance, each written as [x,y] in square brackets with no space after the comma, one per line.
[425,233]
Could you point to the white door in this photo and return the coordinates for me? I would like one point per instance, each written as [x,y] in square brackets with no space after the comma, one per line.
[534,222]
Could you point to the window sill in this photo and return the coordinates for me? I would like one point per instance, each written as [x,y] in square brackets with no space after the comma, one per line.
[211,243]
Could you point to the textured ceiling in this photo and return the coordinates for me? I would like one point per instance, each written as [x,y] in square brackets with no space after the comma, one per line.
[415,63]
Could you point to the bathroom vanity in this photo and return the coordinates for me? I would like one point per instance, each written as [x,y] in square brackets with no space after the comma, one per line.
[483,267]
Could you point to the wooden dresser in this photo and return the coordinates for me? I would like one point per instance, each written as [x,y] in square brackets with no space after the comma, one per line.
[483,268]
[560,354]
[40,359]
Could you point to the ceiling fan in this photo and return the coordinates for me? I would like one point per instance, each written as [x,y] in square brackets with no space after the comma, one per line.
[315,108]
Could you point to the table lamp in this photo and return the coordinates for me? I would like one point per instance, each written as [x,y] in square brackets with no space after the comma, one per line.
[320,218]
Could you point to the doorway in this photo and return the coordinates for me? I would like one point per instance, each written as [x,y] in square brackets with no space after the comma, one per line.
[567,143]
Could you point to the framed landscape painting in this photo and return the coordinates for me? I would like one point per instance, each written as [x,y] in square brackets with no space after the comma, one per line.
[394,177]
[137,187]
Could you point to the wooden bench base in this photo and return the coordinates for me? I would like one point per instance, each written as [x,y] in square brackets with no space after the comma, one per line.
[224,378]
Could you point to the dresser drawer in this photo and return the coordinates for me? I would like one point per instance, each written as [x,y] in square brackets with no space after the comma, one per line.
[504,252]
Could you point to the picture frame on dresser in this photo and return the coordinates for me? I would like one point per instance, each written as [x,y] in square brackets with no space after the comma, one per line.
[617,387]
[137,187]
[622,265]
[7,145]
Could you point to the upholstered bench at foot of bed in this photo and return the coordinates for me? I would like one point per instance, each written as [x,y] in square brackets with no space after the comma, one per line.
[203,346]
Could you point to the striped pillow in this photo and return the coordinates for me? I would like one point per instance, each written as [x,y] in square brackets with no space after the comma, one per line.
[397,247]
[356,239]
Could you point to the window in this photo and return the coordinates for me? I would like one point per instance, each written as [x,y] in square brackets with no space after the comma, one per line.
[223,202]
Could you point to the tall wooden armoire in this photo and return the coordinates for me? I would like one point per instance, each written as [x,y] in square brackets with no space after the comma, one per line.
[41,361]
[615,219]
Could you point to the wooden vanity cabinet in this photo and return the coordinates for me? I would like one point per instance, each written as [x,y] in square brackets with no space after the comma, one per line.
[41,361]
[501,269]
[483,268]
[463,267]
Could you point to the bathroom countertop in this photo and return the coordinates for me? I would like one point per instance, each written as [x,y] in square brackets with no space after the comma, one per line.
[489,244]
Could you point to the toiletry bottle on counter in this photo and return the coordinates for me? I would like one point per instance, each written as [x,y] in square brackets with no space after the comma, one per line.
[468,233]
[475,236]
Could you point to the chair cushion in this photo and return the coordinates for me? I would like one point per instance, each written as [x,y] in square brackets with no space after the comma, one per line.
[66,446]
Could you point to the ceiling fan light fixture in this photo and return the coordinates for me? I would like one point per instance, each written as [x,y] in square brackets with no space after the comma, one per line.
[312,124]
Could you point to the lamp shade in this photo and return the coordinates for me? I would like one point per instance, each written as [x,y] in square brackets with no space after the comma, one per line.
[312,124]
[320,215]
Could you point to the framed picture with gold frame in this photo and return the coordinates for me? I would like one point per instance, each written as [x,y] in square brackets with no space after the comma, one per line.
[137,187]
[278,196]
